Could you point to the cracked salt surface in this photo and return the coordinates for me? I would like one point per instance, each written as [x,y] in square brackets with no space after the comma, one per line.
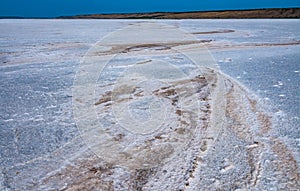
[257,147]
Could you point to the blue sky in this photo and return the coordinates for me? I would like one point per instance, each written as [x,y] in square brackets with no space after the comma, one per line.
[52,8]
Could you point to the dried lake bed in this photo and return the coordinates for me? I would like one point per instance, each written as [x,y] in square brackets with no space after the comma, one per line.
[149,104]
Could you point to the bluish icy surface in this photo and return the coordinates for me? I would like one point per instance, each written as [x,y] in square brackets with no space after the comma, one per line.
[39,60]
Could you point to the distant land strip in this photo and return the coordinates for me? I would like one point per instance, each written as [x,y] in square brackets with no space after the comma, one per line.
[234,14]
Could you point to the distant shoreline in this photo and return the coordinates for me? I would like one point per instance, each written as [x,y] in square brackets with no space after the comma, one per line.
[231,14]
[270,13]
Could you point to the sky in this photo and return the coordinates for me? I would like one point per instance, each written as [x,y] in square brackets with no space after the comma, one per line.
[54,8]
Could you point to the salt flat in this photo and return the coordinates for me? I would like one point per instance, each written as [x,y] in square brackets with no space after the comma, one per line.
[149,104]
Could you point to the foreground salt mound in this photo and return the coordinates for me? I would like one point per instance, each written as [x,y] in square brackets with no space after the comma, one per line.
[163,117]
[241,155]
[222,141]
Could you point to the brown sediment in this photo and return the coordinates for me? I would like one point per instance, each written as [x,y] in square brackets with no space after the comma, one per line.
[286,163]
[253,104]
[158,137]
[215,32]
[86,174]
[121,48]
[276,44]
[192,170]
[249,45]
[119,137]
[233,112]
[165,91]
[139,94]
[144,62]
[178,112]
[139,178]
[264,119]
[144,46]
[183,122]
[265,122]
[105,98]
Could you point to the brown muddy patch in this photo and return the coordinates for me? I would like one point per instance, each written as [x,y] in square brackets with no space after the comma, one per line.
[106,97]
[215,32]
[128,48]
[265,122]
[286,164]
